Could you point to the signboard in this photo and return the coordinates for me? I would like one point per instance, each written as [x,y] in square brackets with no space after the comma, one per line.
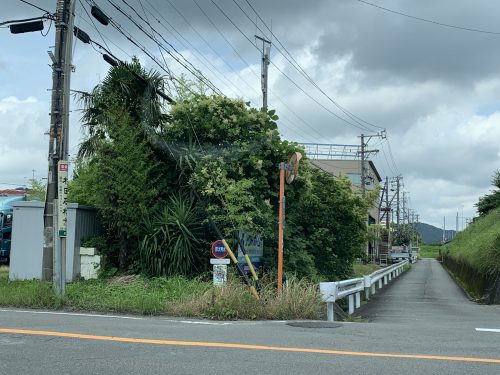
[220,261]
[254,247]
[218,249]
[220,274]
[62,196]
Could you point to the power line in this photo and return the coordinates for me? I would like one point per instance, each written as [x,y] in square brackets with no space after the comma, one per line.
[286,76]
[132,40]
[199,56]
[430,21]
[34,6]
[299,68]
[196,73]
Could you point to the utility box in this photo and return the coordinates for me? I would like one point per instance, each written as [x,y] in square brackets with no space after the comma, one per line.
[90,263]
[27,239]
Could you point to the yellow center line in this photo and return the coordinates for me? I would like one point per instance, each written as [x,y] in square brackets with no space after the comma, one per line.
[243,346]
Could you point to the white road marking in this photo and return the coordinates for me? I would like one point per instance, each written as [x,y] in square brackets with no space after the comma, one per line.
[197,322]
[115,316]
[73,314]
[488,330]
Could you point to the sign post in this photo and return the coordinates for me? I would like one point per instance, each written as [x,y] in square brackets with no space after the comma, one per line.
[219,263]
[62,185]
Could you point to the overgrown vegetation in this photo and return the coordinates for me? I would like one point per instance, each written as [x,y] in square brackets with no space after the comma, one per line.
[474,258]
[156,175]
[174,296]
[489,202]
[478,245]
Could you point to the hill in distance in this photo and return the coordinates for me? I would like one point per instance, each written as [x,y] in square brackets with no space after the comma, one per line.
[431,234]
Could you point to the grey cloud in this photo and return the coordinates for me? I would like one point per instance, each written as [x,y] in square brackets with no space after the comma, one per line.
[388,45]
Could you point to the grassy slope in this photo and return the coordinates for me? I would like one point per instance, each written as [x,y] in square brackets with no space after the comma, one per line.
[479,245]
[429,251]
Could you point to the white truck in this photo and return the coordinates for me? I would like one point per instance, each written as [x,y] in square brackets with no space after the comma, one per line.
[401,253]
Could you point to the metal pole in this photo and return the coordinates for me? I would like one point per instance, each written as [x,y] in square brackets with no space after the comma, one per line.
[363,171]
[280,226]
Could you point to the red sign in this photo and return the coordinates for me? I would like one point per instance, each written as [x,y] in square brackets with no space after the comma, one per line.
[218,249]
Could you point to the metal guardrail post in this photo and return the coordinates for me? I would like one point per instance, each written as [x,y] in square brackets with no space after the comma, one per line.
[367,284]
[352,288]
[330,314]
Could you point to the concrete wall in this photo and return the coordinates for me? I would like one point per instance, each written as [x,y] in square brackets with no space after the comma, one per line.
[27,239]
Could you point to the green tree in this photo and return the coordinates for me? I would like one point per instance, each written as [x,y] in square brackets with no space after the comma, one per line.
[118,171]
[36,190]
[333,223]
[489,202]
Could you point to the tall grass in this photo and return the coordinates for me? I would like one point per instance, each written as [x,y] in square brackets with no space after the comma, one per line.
[429,251]
[174,296]
[479,245]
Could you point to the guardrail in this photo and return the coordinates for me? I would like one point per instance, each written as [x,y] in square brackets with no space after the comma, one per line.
[352,288]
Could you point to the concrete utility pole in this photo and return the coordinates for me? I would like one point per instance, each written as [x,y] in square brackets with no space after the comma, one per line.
[387,207]
[58,144]
[404,206]
[363,166]
[398,186]
[417,229]
[444,229]
[364,153]
[266,49]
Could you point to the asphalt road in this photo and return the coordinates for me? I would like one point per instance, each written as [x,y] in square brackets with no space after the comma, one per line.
[421,324]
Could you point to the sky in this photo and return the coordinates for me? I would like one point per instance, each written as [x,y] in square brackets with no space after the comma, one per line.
[339,68]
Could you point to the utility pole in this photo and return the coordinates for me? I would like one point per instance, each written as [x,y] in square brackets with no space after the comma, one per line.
[398,186]
[456,226]
[444,229]
[364,153]
[404,205]
[53,257]
[266,49]
[417,229]
[363,170]
[387,207]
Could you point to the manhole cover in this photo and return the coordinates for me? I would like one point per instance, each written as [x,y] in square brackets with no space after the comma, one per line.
[314,324]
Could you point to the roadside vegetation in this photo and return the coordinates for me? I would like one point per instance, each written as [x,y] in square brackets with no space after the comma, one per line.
[429,251]
[157,173]
[174,296]
[160,173]
[473,256]
[479,245]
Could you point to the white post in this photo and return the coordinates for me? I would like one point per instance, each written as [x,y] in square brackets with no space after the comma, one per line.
[385,280]
[367,283]
[351,304]
[373,288]
[330,315]
[390,276]
[358,300]
[380,283]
